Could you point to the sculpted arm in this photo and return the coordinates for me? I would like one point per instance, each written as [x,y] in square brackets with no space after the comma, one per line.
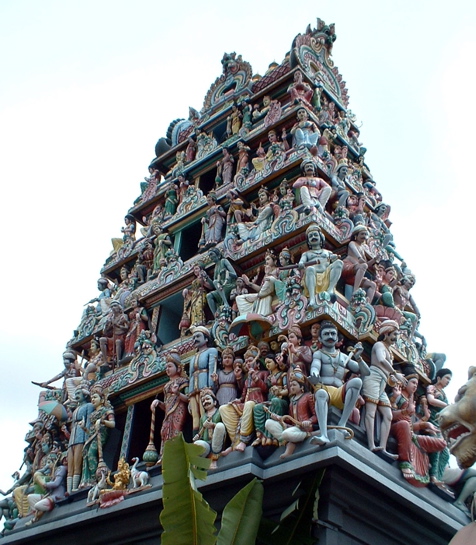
[316,365]
[379,358]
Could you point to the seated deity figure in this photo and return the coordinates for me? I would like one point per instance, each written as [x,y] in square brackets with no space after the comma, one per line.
[373,388]
[299,90]
[261,301]
[212,433]
[253,229]
[356,263]
[238,414]
[321,268]
[296,427]
[305,132]
[314,191]
[404,301]
[329,365]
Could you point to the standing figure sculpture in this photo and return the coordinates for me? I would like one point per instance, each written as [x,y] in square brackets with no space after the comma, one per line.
[212,433]
[225,168]
[102,420]
[175,400]
[329,365]
[80,425]
[373,389]
[321,268]
[224,278]
[300,91]
[138,322]
[314,191]
[203,367]
[115,329]
[212,222]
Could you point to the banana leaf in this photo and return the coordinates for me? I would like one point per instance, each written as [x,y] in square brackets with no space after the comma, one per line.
[295,525]
[242,515]
[186,518]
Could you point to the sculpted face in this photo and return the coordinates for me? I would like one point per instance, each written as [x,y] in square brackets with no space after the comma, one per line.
[458,423]
[207,402]
[227,359]
[170,369]
[294,388]
[302,115]
[270,364]
[328,337]
[96,399]
[199,339]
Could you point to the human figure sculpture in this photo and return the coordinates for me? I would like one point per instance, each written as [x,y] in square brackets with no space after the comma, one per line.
[305,132]
[202,368]
[300,91]
[437,401]
[175,400]
[212,433]
[224,278]
[297,354]
[277,404]
[338,184]
[70,374]
[261,301]
[53,485]
[404,301]
[242,166]
[356,263]
[80,426]
[329,365]
[238,414]
[225,168]
[213,222]
[191,149]
[259,113]
[373,388]
[103,300]
[115,329]
[225,382]
[233,124]
[162,243]
[102,420]
[321,268]
[414,447]
[138,322]
[314,191]
[253,229]
[195,298]
[171,201]
[302,415]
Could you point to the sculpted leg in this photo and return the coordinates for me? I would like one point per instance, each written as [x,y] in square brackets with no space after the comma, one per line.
[386,414]
[351,395]
[310,279]
[322,409]
[324,196]
[370,410]
[335,273]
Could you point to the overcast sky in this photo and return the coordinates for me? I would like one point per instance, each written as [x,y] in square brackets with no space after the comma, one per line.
[87,88]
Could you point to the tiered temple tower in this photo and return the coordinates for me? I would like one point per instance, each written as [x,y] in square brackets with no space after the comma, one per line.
[219,247]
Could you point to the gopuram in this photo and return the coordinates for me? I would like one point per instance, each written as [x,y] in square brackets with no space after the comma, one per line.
[257,304]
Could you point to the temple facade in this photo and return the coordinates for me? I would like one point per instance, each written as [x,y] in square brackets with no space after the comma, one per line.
[256,304]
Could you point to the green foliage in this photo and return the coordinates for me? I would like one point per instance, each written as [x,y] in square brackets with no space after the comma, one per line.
[241,516]
[295,525]
[186,518]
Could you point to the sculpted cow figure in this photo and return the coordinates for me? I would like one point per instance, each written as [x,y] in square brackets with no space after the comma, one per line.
[458,423]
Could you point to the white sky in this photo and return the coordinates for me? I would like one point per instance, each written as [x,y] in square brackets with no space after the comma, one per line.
[87,88]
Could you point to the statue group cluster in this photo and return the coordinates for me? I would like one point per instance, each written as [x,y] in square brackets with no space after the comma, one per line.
[294,241]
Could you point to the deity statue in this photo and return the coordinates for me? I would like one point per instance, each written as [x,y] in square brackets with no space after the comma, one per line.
[138,322]
[322,269]
[242,166]
[103,300]
[175,400]
[212,433]
[300,91]
[224,277]
[414,447]
[225,383]
[80,427]
[202,368]
[195,299]
[115,329]
[305,132]
[224,168]
[233,121]
[314,191]
[253,230]
[373,388]
[329,365]
[298,426]
[212,222]
[162,243]
[356,264]
[102,420]
[171,201]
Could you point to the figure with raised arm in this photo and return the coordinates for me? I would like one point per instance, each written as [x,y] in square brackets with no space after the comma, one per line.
[314,191]
[212,433]
[305,132]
